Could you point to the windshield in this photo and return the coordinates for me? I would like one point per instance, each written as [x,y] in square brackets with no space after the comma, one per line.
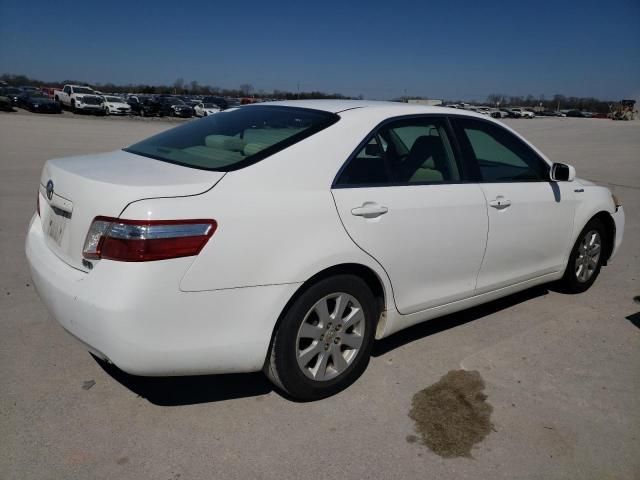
[234,139]
[82,90]
[114,99]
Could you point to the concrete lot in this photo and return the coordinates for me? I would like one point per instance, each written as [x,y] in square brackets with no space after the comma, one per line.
[562,372]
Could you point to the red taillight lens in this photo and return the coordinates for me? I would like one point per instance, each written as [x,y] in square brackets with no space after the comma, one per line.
[146,240]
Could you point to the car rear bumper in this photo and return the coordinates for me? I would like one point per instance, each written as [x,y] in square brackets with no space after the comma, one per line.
[135,316]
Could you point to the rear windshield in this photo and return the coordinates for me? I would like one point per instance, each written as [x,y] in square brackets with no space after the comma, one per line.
[235,138]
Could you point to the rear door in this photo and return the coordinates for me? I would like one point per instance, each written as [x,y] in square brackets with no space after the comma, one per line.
[530,217]
[403,199]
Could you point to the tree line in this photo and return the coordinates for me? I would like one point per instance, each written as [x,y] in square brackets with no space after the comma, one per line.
[182,87]
[556,102]
[179,87]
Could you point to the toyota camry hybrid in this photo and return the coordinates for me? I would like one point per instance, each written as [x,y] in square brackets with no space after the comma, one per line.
[288,236]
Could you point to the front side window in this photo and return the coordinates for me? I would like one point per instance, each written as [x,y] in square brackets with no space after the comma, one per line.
[404,152]
[499,155]
[235,138]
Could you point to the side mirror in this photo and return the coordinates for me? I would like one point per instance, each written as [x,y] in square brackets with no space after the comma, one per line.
[561,172]
[373,150]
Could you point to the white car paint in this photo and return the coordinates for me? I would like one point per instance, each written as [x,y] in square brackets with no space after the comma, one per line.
[115,105]
[523,113]
[439,249]
[203,110]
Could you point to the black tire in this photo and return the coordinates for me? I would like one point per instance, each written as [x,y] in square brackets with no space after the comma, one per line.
[571,282]
[282,366]
[142,112]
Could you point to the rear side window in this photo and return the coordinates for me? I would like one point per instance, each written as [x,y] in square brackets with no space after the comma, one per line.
[235,138]
[404,152]
[499,155]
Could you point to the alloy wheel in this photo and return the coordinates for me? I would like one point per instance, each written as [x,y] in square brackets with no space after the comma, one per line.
[588,256]
[330,336]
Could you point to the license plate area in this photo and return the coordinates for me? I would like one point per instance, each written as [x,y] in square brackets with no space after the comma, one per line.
[56,224]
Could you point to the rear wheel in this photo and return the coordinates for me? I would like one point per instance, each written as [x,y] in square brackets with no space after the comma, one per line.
[325,338]
[586,258]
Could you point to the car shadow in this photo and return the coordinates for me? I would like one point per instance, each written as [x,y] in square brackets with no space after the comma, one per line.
[452,320]
[634,318]
[191,390]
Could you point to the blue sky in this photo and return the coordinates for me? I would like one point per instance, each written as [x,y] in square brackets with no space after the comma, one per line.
[452,49]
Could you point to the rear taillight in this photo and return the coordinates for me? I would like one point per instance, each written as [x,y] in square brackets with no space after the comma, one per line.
[146,240]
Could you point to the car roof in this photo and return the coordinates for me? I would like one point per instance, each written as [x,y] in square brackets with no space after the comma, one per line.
[381,108]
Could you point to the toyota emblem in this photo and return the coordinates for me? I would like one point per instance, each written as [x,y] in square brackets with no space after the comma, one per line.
[49,189]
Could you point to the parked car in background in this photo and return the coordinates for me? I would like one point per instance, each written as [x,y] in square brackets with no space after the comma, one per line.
[38,102]
[80,98]
[286,237]
[143,106]
[205,109]
[49,91]
[522,113]
[577,114]
[173,107]
[12,93]
[507,113]
[115,105]
[5,102]
[219,101]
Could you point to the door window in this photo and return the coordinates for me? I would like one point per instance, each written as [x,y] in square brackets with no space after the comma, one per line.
[405,152]
[499,155]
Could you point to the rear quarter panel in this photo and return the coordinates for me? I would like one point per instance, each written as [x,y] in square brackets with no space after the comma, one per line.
[277,221]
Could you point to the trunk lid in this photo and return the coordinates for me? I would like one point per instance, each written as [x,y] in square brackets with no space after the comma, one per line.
[104,184]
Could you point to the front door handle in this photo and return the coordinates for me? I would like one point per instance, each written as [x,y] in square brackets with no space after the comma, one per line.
[500,203]
[369,210]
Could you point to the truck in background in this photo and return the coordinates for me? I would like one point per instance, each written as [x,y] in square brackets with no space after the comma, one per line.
[80,98]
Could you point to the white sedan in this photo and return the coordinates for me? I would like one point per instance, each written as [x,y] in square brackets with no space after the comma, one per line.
[205,109]
[286,237]
[115,106]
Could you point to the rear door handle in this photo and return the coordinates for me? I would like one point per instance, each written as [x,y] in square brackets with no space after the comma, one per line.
[369,210]
[500,203]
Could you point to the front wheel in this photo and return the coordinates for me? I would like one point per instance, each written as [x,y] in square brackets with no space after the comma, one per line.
[325,338]
[586,259]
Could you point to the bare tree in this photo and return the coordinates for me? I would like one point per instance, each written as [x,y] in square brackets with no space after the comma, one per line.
[178,85]
[246,89]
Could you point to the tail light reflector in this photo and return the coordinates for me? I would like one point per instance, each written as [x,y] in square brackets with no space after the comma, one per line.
[146,240]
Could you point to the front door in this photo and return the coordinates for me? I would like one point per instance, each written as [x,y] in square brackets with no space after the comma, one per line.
[530,217]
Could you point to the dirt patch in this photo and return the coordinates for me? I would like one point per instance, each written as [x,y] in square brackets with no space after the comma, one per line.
[452,415]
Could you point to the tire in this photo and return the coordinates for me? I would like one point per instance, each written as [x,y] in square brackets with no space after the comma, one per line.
[584,264]
[73,106]
[303,360]
[142,112]
[106,112]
